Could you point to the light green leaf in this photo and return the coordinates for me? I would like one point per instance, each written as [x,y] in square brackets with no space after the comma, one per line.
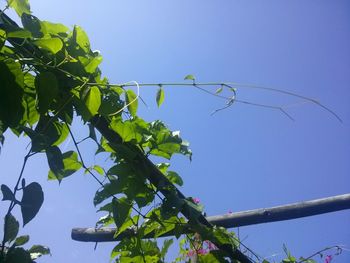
[219,90]
[51,44]
[32,199]
[21,240]
[20,33]
[93,100]
[20,6]
[47,89]
[132,102]
[91,64]
[98,169]
[160,97]
[175,178]
[53,28]
[37,251]
[81,38]
[190,77]
[11,227]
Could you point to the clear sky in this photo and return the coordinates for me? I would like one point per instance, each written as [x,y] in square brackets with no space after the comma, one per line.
[245,157]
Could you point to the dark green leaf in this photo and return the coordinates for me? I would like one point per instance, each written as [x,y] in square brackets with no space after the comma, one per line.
[11,227]
[11,92]
[121,210]
[47,89]
[132,102]
[32,199]
[21,240]
[55,159]
[50,44]
[18,255]
[20,6]
[7,193]
[160,97]
[37,251]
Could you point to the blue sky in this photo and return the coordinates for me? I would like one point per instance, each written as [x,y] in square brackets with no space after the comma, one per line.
[245,157]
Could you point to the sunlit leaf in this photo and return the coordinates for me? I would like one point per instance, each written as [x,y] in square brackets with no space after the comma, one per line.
[219,90]
[50,44]
[20,6]
[93,100]
[160,97]
[190,77]
[37,251]
[70,166]
[174,178]
[53,28]
[132,102]
[81,38]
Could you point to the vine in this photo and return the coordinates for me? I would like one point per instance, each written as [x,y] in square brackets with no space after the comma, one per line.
[50,76]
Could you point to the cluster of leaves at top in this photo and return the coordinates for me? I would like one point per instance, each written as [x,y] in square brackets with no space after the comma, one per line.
[50,75]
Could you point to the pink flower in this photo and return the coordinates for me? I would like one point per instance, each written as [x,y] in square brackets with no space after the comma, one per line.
[328,259]
[191,253]
[229,212]
[202,251]
[196,200]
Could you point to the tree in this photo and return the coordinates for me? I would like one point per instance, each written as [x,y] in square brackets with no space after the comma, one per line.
[52,76]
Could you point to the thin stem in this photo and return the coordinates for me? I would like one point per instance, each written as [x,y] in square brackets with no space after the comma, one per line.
[230,84]
[320,253]
[12,204]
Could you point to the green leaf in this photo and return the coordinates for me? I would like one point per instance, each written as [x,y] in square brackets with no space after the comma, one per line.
[21,240]
[160,97]
[19,33]
[132,102]
[37,251]
[32,199]
[121,210]
[90,64]
[93,100]
[7,194]
[50,44]
[20,6]
[175,178]
[190,77]
[11,227]
[11,93]
[53,28]
[55,160]
[70,166]
[219,90]
[81,38]
[98,169]
[47,89]
[167,243]
[17,255]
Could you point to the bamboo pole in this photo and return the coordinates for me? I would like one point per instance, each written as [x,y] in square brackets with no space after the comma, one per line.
[244,218]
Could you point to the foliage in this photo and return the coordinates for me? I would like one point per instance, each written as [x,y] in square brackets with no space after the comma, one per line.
[50,76]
